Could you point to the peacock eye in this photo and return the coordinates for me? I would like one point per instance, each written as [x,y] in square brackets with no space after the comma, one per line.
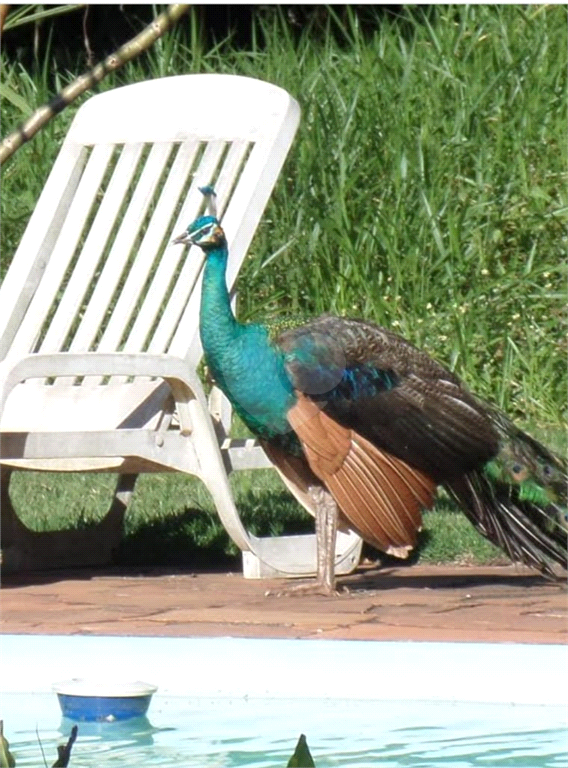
[547,470]
[517,468]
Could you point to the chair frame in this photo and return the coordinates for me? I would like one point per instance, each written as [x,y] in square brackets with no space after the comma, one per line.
[93,383]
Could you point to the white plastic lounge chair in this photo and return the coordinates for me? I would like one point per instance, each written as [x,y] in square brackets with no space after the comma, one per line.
[99,318]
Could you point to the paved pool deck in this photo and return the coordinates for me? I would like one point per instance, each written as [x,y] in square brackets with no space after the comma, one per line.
[469,604]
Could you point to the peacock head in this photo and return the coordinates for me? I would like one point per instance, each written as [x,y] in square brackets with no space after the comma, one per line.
[205,232]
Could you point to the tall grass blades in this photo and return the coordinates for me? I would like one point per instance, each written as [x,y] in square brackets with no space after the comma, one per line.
[429,193]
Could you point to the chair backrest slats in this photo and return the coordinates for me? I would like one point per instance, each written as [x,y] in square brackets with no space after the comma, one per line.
[56,270]
[37,243]
[127,271]
[93,249]
[156,294]
[97,315]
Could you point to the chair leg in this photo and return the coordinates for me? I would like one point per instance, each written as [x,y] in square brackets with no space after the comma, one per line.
[27,550]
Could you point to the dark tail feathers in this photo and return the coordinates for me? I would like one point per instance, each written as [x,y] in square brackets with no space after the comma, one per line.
[518,501]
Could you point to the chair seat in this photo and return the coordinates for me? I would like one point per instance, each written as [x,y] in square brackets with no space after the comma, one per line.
[36,407]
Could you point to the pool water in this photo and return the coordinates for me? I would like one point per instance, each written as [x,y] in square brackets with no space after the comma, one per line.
[184,732]
[244,702]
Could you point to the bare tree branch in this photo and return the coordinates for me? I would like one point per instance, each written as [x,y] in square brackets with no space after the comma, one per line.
[3,13]
[125,53]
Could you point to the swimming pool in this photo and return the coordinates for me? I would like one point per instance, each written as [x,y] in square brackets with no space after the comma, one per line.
[241,702]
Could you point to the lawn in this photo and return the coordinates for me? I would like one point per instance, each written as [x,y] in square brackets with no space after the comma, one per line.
[426,190]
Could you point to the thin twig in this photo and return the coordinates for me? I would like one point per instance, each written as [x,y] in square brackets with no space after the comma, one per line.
[90,54]
[41,747]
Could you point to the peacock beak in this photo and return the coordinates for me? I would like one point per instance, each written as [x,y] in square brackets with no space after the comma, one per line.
[183,239]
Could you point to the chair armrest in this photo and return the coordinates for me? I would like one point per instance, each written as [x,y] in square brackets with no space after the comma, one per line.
[184,382]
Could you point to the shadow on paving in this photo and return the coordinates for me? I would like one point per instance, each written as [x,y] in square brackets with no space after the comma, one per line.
[384,579]
[366,578]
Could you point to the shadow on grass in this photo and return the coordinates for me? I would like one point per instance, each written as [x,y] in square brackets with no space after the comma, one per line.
[164,533]
[195,538]
[179,540]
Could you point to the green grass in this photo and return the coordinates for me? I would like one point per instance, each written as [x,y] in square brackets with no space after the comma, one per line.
[172,522]
[426,190]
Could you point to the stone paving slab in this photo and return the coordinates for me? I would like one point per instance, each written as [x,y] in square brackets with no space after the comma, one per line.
[494,604]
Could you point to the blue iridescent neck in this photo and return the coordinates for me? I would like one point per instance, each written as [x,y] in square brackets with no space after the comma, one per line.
[241,358]
[218,325]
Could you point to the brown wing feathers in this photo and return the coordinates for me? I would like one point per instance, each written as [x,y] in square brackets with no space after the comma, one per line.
[379,494]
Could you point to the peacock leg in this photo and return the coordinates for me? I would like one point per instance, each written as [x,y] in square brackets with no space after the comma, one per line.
[326,514]
[326,534]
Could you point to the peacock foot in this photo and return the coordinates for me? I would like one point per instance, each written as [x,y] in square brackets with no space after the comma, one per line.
[314,587]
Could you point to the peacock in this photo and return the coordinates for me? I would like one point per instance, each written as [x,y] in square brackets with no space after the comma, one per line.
[363,427]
